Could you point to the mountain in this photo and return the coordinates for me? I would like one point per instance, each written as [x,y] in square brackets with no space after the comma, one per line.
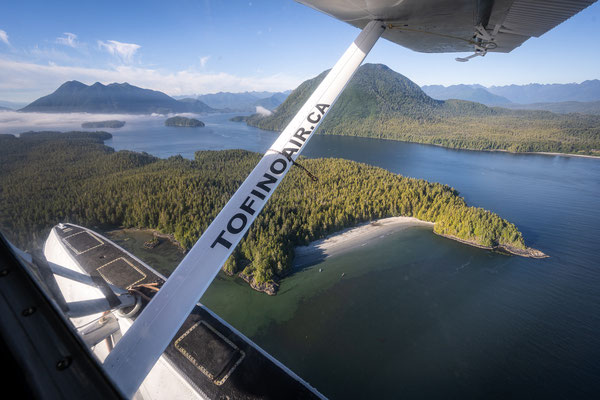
[272,102]
[474,93]
[74,96]
[550,93]
[247,101]
[382,103]
[559,98]
[5,109]
[374,93]
[231,101]
[11,105]
[563,107]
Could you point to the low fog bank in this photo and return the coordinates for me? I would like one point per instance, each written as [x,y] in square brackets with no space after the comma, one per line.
[14,122]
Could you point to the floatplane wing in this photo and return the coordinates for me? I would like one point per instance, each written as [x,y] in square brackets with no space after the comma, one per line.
[424,25]
[172,319]
[442,26]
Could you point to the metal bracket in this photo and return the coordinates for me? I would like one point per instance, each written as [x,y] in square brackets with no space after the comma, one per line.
[483,40]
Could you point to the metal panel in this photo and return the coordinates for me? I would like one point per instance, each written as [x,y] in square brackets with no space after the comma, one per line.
[536,17]
[440,26]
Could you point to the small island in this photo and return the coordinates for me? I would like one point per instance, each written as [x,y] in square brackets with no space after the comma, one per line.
[239,118]
[103,124]
[183,121]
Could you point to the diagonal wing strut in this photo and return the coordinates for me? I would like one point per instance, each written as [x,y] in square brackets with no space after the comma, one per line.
[142,345]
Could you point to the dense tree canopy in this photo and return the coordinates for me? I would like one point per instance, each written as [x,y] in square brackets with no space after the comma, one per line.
[381,103]
[52,177]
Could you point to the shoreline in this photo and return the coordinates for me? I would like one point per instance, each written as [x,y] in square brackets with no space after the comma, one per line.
[349,238]
[363,234]
[528,252]
[544,153]
[343,241]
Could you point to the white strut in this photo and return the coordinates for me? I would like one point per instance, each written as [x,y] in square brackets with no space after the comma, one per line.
[142,345]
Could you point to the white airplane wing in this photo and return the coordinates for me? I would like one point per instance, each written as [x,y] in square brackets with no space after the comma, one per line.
[441,26]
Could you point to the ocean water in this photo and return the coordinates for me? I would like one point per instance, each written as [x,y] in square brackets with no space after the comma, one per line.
[416,315]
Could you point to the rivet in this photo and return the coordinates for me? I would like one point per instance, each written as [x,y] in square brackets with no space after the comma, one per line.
[4,272]
[28,311]
[63,364]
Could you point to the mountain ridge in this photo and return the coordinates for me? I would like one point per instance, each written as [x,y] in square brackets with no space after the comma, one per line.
[476,93]
[244,101]
[533,93]
[74,96]
[381,103]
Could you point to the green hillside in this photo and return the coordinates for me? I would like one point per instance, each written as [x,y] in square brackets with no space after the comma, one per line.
[381,103]
[52,177]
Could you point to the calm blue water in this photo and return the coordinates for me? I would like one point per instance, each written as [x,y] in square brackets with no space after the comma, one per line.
[417,315]
[421,316]
[218,134]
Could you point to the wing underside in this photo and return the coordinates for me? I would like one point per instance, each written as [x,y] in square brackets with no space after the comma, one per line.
[440,26]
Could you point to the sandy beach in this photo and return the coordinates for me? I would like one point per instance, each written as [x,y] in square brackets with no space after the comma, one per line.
[351,238]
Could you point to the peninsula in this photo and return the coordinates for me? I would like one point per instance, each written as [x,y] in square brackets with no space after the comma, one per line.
[181,197]
[103,124]
[184,122]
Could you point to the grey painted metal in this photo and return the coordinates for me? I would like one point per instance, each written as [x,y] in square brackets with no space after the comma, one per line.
[79,277]
[141,346]
[440,26]
[99,330]
[536,17]
[65,272]
[89,307]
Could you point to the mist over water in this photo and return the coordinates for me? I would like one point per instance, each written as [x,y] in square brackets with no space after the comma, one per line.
[416,315]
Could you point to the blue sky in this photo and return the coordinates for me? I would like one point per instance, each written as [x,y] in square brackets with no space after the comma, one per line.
[186,47]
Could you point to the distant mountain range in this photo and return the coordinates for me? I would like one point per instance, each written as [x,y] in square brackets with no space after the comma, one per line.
[381,103]
[560,98]
[550,93]
[465,92]
[74,96]
[242,102]
[11,105]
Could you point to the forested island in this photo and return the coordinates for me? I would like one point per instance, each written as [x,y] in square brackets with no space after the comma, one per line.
[239,118]
[381,103]
[52,177]
[104,124]
[184,121]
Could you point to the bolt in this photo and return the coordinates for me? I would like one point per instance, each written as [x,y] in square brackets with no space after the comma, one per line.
[28,311]
[63,364]
[4,272]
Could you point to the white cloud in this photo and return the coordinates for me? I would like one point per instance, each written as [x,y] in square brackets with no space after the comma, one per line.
[4,37]
[263,111]
[27,81]
[49,54]
[70,39]
[14,122]
[124,51]
[204,60]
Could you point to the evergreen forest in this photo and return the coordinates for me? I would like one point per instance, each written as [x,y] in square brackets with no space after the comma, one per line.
[384,104]
[52,177]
